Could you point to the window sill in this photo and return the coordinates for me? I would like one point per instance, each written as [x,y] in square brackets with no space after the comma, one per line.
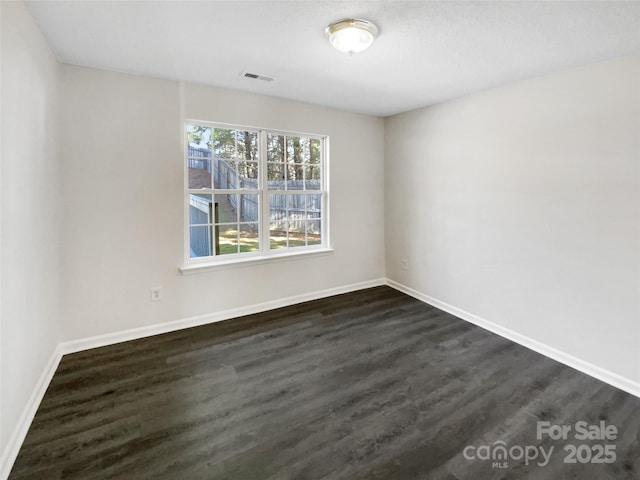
[257,260]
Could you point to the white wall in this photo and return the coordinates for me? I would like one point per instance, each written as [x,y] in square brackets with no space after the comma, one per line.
[30,214]
[123,214]
[521,205]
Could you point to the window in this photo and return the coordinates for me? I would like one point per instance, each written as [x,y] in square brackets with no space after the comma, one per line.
[252,192]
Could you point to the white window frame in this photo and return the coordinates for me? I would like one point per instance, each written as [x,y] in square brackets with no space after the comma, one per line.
[265,253]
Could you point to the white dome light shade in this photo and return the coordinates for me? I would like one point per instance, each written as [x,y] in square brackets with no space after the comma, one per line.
[351,35]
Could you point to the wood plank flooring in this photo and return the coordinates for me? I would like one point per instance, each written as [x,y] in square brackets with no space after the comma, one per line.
[367,385]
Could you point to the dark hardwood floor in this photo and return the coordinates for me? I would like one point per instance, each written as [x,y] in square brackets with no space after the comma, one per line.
[368,385]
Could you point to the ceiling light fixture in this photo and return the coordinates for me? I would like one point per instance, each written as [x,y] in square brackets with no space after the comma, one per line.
[351,35]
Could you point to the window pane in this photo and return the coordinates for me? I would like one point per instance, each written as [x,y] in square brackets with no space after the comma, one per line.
[302,150]
[199,156]
[200,209]
[296,219]
[275,148]
[297,233]
[314,232]
[225,174]
[199,177]
[224,143]
[247,145]
[275,176]
[235,144]
[227,239]
[199,136]
[248,208]
[249,237]
[312,178]
[226,208]
[278,207]
[278,235]
[200,241]
[314,151]
[296,206]
[295,177]
[248,175]
[314,206]
[296,149]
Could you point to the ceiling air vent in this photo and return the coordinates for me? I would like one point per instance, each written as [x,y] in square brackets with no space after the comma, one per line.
[257,76]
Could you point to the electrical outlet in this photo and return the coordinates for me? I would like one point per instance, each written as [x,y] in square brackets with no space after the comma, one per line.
[156,294]
[404,264]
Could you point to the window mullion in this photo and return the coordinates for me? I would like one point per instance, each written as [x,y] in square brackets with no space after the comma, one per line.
[324,186]
[186,196]
[264,193]
[211,159]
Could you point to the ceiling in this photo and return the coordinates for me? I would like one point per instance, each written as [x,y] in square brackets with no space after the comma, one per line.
[427,51]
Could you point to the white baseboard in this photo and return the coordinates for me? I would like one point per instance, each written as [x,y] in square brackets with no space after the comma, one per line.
[135,333]
[15,442]
[606,376]
[20,432]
